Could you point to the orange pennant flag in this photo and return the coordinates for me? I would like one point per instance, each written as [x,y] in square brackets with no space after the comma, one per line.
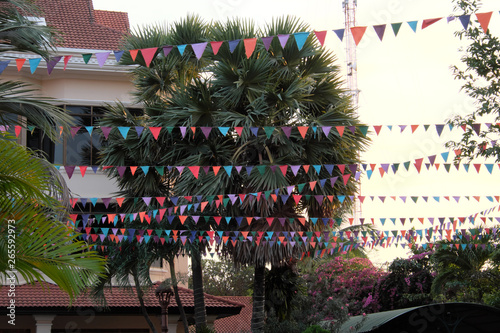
[357,33]
[155,131]
[182,218]
[133,169]
[216,170]
[148,54]
[19,63]
[133,54]
[484,20]
[320,35]
[303,131]
[249,46]
[414,128]
[340,129]
[119,201]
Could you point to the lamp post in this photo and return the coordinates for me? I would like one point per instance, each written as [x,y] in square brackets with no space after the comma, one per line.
[164,294]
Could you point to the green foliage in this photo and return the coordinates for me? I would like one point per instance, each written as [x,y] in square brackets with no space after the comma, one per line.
[315,329]
[223,278]
[481,81]
[283,284]
[407,283]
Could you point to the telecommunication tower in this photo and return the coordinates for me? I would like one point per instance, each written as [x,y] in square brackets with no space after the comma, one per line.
[352,74]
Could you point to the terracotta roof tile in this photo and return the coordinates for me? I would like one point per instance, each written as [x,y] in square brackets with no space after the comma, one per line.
[83,27]
[49,295]
[236,323]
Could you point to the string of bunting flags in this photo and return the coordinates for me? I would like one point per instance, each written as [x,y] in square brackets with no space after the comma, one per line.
[198,49]
[303,131]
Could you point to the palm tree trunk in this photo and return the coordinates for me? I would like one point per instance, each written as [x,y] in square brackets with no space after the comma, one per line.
[140,294]
[200,315]
[176,293]
[259,298]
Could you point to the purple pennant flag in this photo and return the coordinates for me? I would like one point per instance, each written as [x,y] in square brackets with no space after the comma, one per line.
[380,29]
[102,57]
[147,200]
[254,130]
[439,129]
[199,48]
[432,159]
[69,170]
[121,170]
[233,44]
[353,129]
[476,127]
[287,131]
[283,39]
[167,49]
[105,130]
[206,131]
[333,180]
[385,167]
[339,33]
[267,41]
[354,168]
[183,131]
[295,169]
[106,202]
[118,55]
[402,127]
[465,19]
[326,130]
[238,168]
[52,63]
[139,130]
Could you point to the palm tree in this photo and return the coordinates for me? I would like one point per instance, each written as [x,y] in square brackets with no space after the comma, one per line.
[33,232]
[279,87]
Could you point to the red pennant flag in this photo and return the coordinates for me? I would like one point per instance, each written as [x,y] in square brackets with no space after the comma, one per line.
[195,170]
[484,20]
[306,168]
[283,169]
[357,33]
[270,220]
[148,54]
[161,200]
[66,60]
[303,131]
[340,129]
[377,129]
[155,131]
[312,185]
[133,54]
[428,22]
[342,168]
[414,128]
[320,35]
[216,170]
[346,178]
[215,46]
[19,63]
[418,164]
[17,130]
[239,130]
[249,46]
[83,169]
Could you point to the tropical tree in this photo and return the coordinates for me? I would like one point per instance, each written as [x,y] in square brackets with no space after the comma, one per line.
[33,231]
[276,86]
[467,269]
[480,76]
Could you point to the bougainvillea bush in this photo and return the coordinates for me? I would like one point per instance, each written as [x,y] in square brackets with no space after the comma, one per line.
[407,284]
[348,281]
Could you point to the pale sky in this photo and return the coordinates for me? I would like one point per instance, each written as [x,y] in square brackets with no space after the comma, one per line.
[404,80]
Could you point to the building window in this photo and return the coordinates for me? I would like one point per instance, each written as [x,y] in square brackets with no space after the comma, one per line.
[80,149]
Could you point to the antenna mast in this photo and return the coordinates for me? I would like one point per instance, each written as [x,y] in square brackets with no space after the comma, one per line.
[352,74]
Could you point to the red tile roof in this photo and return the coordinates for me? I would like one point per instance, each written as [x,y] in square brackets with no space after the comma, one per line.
[50,296]
[236,323]
[82,27]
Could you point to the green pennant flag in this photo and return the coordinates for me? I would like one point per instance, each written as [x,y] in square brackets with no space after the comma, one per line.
[160,169]
[269,131]
[414,200]
[300,187]
[267,194]
[207,218]
[210,198]
[225,201]
[447,167]
[261,168]
[86,57]
[395,28]
[170,129]
[426,127]
[407,165]
[364,130]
